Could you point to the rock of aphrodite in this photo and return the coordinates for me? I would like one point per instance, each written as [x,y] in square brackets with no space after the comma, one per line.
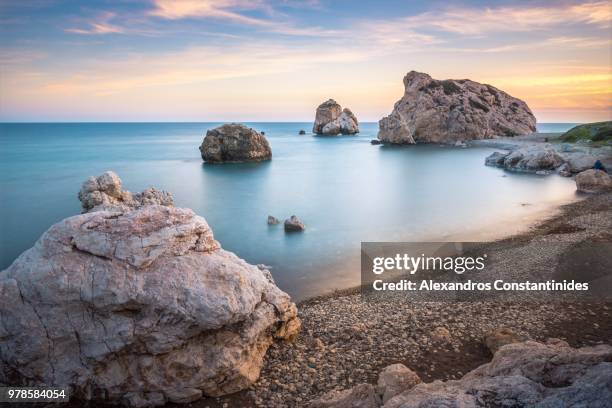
[433,111]
[140,306]
[331,119]
[234,143]
[106,193]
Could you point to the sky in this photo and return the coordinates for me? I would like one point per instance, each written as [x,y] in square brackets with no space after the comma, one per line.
[276,60]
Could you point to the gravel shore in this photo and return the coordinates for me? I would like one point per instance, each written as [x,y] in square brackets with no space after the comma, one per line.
[346,341]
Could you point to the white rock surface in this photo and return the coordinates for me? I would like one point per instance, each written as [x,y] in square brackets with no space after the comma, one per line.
[448,111]
[140,307]
[528,158]
[331,119]
[105,192]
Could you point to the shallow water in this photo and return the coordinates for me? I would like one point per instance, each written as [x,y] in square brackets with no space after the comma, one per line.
[343,188]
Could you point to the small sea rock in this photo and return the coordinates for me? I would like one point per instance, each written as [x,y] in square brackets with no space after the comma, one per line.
[293,224]
[273,220]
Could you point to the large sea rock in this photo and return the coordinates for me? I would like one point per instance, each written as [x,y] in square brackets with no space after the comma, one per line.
[447,111]
[234,143]
[331,119]
[138,306]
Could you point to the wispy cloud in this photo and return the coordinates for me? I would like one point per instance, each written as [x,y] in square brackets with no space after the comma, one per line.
[191,66]
[229,10]
[101,25]
[473,21]
[222,9]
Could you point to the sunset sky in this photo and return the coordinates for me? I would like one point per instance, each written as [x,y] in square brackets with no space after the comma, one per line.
[260,60]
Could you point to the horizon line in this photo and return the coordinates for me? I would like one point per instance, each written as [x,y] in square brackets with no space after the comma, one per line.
[214,121]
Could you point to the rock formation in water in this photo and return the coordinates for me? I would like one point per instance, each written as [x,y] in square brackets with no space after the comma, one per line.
[433,111]
[521,374]
[137,306]
[331,119]
[234,143]
[293,224]
[529,158]
[106,193]
[593,181]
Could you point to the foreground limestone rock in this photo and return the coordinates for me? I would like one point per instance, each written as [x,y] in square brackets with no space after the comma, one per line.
[106,193]
[500,337]
[525,374]
[593,181]
[395,379]
[529,158]
[234,143]
[433,111]
[331,119]
[139,307]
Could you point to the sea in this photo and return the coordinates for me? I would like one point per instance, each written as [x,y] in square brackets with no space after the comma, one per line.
[344,189]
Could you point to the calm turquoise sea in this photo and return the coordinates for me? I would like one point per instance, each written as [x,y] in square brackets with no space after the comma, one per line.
[343,188]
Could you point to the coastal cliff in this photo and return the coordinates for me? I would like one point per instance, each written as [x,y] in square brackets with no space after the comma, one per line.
[434,111]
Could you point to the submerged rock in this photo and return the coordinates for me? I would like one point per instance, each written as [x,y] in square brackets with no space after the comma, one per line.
[293,224]
[106,193]
[302,132]
[593,181]
[433,111]
[331,119]
[139,307]
[530,158]
[234,143]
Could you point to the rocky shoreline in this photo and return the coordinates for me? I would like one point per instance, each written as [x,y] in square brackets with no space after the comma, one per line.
[345,341]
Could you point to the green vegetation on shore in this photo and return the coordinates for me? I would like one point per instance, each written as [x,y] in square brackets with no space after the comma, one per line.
[598,132]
